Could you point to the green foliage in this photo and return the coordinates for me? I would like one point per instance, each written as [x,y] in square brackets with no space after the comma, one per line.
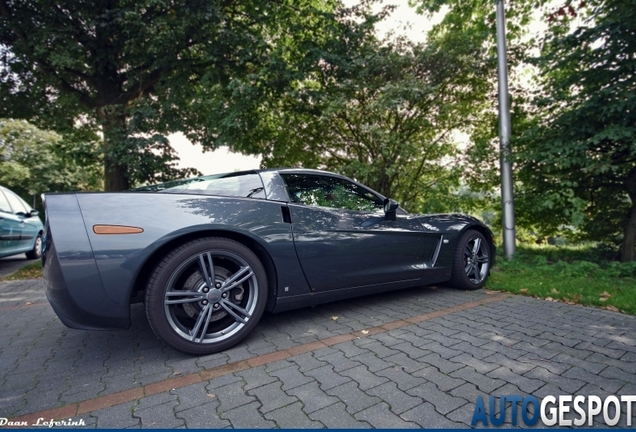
[577,153]
[138,70]
[386,113]
[33,161]
[577,275]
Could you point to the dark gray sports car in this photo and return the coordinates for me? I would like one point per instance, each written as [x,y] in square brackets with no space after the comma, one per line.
[209,255]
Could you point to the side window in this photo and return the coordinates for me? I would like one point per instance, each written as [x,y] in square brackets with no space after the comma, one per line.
[16,203]
[325,191]
[4,204]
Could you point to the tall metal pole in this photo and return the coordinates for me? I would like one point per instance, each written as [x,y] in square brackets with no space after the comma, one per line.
[507,199]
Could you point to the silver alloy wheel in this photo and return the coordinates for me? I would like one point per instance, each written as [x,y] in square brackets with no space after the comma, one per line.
[476,260]
[38,246]
[205,286]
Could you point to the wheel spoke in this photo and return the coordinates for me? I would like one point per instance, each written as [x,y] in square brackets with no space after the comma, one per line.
[477,274]
[483,259]
[207,277]
[237,278]
[204,317]
[231,308]
[191,297]
[469,269]
[476,246]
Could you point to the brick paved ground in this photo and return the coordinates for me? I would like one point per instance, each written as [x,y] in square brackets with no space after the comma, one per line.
[410,359]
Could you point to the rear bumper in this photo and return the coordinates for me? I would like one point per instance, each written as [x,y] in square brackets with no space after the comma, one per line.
[73,283]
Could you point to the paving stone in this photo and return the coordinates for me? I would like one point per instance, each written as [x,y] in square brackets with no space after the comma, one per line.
[612,353]
[292,416]
[205,416]
[350,350]
[380,416]
[291,376]
[381,350]
[326,377]
[339,361]
[255,377]
[231,396]
[427,417]
[483,382]
[443,402]
[312,397]
[496,347]
[224,380]
[118,416]
[159,416]
[246,417]
[355,399]
[522,341]
[567,385]
[477,364]
[277,365]
[336,417]
[398,400]
[407,363]
[272,397]
[403,380]
[192,396]
[527,385]
[443,382]
[373,362]
[306,362]
[607,384]
[363,377]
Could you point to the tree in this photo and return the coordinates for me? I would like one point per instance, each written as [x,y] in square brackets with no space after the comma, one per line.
[33,161]
[384,112]
[136,70]
[578,153]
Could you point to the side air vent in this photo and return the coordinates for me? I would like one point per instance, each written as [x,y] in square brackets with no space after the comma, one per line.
[286,214]
[436,252]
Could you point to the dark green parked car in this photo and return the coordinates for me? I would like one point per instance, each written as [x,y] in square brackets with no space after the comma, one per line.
[20,227]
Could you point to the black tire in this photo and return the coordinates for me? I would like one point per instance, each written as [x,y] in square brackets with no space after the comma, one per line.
[36,252]
[205,320]
[473,258]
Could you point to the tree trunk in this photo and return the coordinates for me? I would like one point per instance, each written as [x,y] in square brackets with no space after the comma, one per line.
[628,246]
[113,121]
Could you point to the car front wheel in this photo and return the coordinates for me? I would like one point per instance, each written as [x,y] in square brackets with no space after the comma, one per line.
[472,261]
[206,295]
[36,252]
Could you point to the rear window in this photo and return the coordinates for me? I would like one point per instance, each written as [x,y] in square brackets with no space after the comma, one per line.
[241,184]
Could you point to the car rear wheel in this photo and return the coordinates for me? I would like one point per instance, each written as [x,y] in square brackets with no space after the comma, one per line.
[36,252]
[206,296]
[472,262]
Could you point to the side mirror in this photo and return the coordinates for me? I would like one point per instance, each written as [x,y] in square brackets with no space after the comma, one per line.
[33,213]
[390,206]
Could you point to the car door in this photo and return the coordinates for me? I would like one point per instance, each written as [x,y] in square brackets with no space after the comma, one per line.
[344,240]
[10,227]
[27,225]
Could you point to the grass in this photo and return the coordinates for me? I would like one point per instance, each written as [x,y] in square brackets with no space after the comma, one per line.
[573,274]
[31,271]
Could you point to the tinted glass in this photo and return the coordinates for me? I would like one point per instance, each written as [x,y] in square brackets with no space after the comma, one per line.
[244,185]
[4,204]
[325,191]
[16,203]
